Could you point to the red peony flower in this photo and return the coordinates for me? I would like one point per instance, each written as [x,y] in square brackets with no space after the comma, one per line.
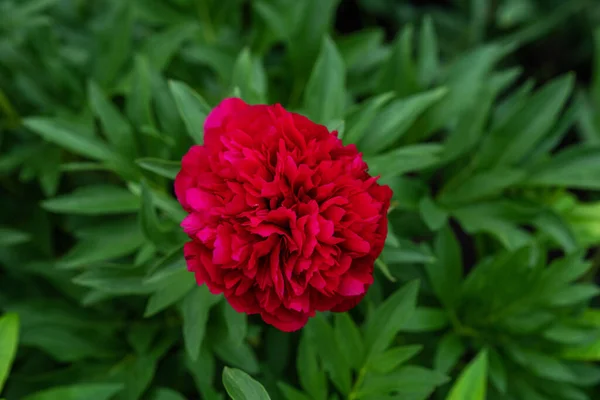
[283,218]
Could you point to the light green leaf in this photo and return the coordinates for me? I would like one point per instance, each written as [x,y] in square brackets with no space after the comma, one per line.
[576,167]
[241,386]
[96,391]
[325,97]
[94,200]
[404,159]
[250,77]
[396,118]
[193,109]
[168,169]
[194,311]
[574,294]
[9,338]
[472,382]
[392,358]
[388,319]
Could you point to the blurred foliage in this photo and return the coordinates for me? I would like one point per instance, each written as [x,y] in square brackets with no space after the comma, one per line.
[481,115]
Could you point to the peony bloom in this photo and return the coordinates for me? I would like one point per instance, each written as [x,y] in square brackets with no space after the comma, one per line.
[283,218]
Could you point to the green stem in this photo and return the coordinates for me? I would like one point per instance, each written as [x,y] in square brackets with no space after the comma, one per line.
[358,383]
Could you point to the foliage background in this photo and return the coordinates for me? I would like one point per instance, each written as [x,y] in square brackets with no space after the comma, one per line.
[480,114]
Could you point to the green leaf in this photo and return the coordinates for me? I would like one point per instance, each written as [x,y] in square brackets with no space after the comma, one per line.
[445,274]
[448,352]
[55,132]
[167,394]
[122,280]
[94,200]
[172,290]
[511,142]
[426,319]
[482,185]
[168,169]
[96,391]
[432,214]
[193,109]
[151,225]
[360,122]
[497,372]
[250,77]
[392,358]
[574,294]
[541,365]
[399,73]
[349,339]
[162,46]
[116,128]
[389,318]
[407,383]
[236,322]
[334,362]
[325,97]
[408,253]
[576,167]
[139,98]
[472,382]
[396,119]
[241,386]
[194,311]
[404,159]
[12,237]
[9,338]
[290,393]
[428,62]
[311,377]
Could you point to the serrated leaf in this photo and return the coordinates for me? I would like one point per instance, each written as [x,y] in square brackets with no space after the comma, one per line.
[193,109]
[194,311]
[325,96]
[389,318]
[168,169]
[472,382]
[94,200]
[241,386]
[9,339]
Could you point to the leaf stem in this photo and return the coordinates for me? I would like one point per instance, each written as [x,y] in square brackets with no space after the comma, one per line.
[358,383]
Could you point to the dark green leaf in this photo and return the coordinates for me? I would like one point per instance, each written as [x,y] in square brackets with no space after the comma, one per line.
[426,319]
[399,73]
[445,273]
[350,340]
[94,200]
[449,351]
[311,377]
[96,391]
[404,159]
[12,237]
[194,311]
[392,358]
[575,167]
[249,76]
[168,169]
